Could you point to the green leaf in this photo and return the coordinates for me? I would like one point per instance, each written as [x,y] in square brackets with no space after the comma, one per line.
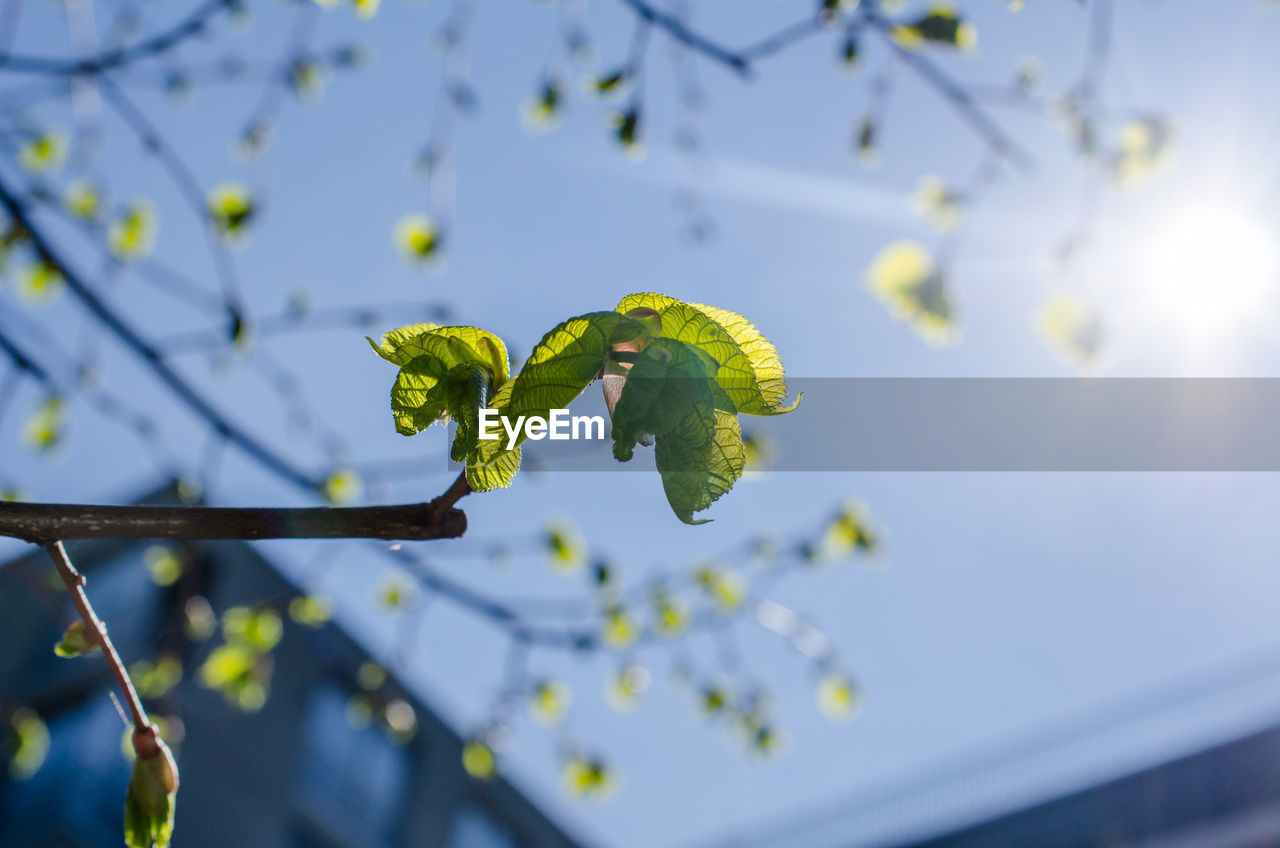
[26,741]
[666,381]
[152,798]
[490,465]
[75,642]
[445,373]
[559,369]
[940,25]
[670,393]
[567,359]
[750,371]
[700,461]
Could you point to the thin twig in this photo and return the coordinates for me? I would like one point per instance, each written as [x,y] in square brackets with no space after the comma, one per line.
[96,633]
[192,25]
[955,94]
[681,32]
[151,356]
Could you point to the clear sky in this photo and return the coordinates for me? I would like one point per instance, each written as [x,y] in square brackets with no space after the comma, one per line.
[1012,614]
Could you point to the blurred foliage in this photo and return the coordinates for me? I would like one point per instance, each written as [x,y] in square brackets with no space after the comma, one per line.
[240,668]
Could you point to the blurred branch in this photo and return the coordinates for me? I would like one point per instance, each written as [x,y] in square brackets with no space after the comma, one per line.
[185,182]
[152,357]
[680,31]
[192,25]
[959,98]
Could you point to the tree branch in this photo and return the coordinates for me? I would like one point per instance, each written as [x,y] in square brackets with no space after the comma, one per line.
[151,356]
[959,98]
[45,523]
[678,30]
[96,633]
[192,25]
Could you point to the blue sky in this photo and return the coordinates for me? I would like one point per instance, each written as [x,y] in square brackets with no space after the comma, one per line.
[1012,612]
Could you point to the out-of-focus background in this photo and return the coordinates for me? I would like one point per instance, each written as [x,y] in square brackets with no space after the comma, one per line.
[1053,659]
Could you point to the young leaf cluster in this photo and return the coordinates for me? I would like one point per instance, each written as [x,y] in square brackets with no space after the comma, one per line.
[675,376]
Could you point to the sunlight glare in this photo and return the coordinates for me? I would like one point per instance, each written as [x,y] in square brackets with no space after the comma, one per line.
[1208,269]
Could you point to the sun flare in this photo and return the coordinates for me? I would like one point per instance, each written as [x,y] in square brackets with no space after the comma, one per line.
[1207,270]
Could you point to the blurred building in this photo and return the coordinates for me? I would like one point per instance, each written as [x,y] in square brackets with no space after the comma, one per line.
[1225,797]
[298,773]
[1217,794]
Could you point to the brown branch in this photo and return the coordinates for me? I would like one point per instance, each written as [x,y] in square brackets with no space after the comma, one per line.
[96,633]
[441,506]
[43,524]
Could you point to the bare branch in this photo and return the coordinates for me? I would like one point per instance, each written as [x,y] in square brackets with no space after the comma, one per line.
[192,25]
[678,30]
[956,94]
[96,632]
[152,357]
[44,523]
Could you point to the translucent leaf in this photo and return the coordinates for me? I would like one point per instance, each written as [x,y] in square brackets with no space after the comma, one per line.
[619,629]
[395,595]
[567,360]
[613,82]
[543,111]
[492,466]
[669,394]
[700,461]
[151,800]
[75,641]
[587,778]
[28,743]
[625,687]
[418,238]
[938,203]
[670,616]
[445,373]
[566,548]
[44,430]
[851,530]
[307,78]
[231,210]
[714,700]
[626,128]
[665,382]
[154,679]
[1146,144]
[725,588]
[343,487]
[759,386]
[164,565]
[133,233]
[310,610]
[838,697]
[549,702]
[40,282]
[260,629]
[478,759]
[44,152]
[83,200]
[940,25]
[904,278]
